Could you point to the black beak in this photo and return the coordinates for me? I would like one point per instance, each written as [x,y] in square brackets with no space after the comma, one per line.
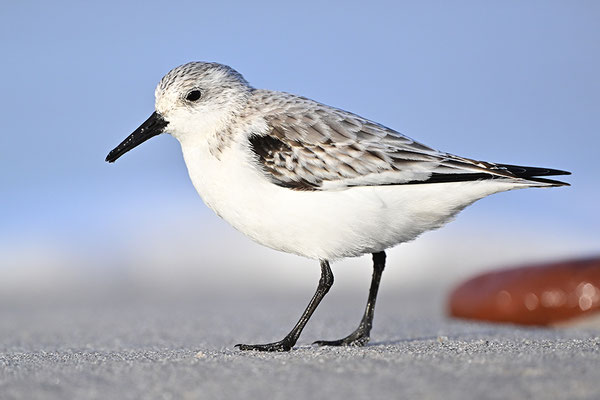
[155,125]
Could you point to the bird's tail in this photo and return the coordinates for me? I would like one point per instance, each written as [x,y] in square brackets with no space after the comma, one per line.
[533,174]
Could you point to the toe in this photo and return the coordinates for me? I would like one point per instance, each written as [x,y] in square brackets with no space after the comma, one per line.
[357,342]
[277,346]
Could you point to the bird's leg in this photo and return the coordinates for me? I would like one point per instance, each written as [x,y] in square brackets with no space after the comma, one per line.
[360,336]
[289,341]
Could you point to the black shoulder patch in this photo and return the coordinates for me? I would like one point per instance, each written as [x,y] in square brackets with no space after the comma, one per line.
[271,154]
[265,147]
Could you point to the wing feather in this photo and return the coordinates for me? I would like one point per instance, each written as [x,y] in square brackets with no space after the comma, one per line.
[311,146]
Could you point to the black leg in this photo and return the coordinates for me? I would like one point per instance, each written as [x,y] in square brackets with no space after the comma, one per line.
[360,336]
[289,341]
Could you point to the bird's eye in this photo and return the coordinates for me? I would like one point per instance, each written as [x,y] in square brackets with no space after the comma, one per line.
[193,95]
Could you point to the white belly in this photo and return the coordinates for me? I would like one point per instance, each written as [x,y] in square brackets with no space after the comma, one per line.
[325,224]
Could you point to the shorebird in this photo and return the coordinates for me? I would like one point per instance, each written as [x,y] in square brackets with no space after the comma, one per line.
[313,180]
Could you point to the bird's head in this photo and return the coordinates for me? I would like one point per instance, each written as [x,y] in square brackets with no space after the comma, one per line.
[192,100]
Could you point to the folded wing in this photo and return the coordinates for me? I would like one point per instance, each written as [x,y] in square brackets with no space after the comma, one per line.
[310,146]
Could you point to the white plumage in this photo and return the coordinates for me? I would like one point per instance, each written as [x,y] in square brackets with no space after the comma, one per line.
[324,224]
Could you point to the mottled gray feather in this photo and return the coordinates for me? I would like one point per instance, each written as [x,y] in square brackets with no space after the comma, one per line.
[311,146]
[301,144]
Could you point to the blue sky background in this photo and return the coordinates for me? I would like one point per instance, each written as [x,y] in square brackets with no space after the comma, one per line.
[512,81]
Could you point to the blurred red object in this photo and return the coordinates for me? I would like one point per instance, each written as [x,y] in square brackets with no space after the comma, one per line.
[543,294]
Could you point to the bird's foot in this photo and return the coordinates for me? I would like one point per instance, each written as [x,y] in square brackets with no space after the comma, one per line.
[282,345]
[358,338]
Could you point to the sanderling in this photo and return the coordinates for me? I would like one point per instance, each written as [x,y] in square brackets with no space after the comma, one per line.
[309,179]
